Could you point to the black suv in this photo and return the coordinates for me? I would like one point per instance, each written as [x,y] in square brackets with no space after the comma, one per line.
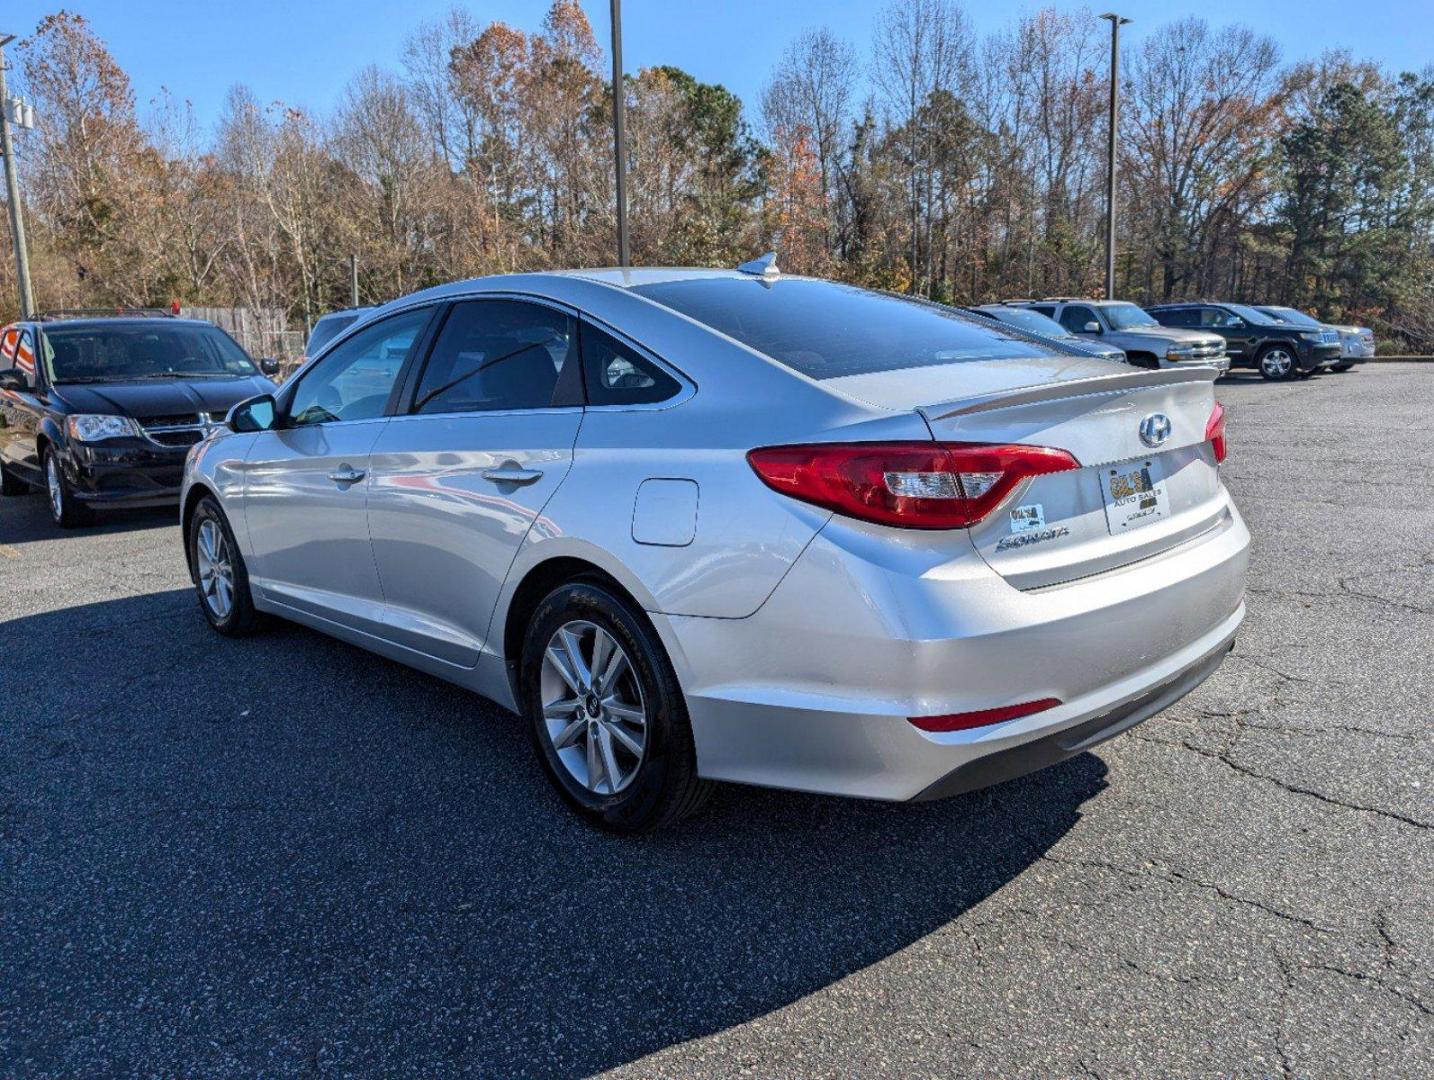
[101,411]
[1254,339]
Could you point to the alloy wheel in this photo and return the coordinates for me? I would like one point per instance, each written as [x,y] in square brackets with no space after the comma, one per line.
[1277,363]
[593,708]
[215,568]
[55,487]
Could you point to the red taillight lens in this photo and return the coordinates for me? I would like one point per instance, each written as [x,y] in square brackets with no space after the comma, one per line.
[1215,433]
[962,721]
[911,485]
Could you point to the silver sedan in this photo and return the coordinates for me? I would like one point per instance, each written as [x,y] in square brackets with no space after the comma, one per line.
[703,525]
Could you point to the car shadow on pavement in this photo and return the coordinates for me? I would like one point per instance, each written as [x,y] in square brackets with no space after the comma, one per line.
[283,855]
[27,518]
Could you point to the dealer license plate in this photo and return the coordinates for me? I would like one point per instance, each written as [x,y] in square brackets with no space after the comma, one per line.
[1135,495]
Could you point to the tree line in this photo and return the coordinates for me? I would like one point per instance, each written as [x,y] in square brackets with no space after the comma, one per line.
[960,167]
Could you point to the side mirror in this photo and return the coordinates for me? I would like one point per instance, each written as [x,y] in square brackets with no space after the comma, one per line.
[269,366]
[255,414]
[1091,327]
[14,379]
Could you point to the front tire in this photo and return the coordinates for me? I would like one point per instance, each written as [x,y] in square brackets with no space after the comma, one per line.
[221,580]
[1276,363]
[605,713]
[66,510]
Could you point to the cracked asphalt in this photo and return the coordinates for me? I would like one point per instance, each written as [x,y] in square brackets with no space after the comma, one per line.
[282,856]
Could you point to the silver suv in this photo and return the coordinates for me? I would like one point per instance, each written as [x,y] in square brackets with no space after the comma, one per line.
[1126,326]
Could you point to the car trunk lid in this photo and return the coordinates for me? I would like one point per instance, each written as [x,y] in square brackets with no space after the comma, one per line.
[1129,500]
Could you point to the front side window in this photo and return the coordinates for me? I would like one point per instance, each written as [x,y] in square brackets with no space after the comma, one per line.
[354,381]
[618,375]
[153,349]
[496,355]
[1074,318]
[1218,318]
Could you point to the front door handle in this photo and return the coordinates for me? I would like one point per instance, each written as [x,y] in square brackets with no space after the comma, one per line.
[347,474]
[512,475]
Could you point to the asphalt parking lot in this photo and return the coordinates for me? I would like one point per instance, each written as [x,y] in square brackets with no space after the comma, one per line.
[284,856]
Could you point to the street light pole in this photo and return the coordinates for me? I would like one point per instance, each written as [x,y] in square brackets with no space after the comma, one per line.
[1116,22]
[12,192]
[619,138]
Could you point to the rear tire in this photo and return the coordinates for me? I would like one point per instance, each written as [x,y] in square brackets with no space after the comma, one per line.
[221,581]
[66,510]
[1276,363]
[586,718]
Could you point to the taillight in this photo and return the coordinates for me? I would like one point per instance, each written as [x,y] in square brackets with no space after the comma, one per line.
[912,485]
[982,717]
[1215,433]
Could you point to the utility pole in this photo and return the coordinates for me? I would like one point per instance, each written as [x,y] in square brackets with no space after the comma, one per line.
[619,109]
[353,281]
[1116,22]
[12,192]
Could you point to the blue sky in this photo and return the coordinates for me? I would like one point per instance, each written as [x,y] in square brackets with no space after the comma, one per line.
[304,51]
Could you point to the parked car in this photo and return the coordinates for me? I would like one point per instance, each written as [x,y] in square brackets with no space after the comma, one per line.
[1276,349]
[100,410]
[1033,322]
[1124,325]
[703,525]
[331,326]
[1356,343]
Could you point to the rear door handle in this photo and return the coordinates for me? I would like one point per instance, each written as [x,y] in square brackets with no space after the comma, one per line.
[347,474]
[512,475]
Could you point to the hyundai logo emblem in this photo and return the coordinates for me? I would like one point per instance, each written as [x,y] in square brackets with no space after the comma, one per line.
[1155,429]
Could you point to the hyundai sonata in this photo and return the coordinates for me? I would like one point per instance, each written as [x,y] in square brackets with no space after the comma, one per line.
[704,525]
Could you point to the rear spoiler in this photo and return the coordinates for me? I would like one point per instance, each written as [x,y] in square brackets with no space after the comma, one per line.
[1068,388]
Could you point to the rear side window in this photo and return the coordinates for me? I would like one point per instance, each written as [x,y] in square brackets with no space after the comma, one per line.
[496,355]
[1178,317]
[826,330]
[618,375]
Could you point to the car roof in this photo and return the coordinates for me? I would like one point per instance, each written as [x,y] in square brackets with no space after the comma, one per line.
[119,320]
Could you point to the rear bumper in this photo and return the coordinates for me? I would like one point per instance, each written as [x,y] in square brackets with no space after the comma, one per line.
[1058,746]
[813,691]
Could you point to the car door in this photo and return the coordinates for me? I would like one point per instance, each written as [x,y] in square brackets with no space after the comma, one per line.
[306,481]
[461,476]
[22,406]
[1076,317]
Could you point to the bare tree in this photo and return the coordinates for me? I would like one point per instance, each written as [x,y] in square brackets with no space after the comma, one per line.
[922,47]
[810,98]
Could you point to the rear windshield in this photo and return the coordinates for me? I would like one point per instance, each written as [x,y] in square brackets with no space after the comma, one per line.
[327,328]
[151,350]
[825,330]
